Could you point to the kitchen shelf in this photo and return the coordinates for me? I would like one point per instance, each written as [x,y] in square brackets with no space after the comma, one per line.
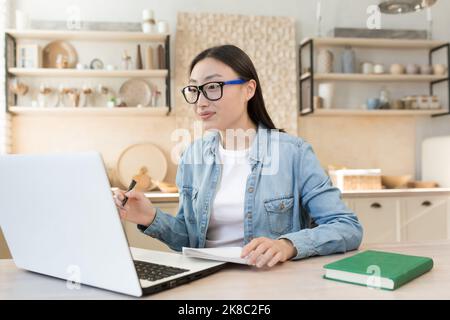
[90,111]
[374,77]
[50,72]
[375,43]
[361,112]
[86,35]
[310,46]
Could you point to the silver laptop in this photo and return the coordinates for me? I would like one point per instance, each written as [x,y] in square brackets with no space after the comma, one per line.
[58,217]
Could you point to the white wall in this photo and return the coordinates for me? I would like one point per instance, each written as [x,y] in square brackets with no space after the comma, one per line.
[336,13]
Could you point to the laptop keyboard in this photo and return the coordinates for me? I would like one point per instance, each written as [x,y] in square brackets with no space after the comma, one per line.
[152,271]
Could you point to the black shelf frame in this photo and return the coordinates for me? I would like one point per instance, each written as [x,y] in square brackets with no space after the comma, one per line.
[309,44]
[11,99]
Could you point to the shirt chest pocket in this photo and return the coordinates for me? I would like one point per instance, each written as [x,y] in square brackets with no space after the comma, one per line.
[190,195]
[280,214]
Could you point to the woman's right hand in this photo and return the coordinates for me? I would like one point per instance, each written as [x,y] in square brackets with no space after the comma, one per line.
[138,209]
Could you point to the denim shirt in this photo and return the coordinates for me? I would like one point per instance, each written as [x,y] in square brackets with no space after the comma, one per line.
[288,196]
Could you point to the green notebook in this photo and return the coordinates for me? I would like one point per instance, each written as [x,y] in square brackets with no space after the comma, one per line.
[378,269]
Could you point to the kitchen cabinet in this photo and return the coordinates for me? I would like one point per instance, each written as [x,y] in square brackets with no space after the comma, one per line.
[139,240]
[402,216]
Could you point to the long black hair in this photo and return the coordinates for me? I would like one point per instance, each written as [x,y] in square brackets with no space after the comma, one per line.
[241,63]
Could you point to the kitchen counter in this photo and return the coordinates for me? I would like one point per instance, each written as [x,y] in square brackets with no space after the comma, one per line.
[173,197]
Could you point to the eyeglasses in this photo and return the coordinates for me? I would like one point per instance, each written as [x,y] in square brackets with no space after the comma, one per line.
[212,91]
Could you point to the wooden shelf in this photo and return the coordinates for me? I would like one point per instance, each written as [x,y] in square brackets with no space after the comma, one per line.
[376,77]
[91,111]
[86,35]
[360,112]
[376,43]
[50,72]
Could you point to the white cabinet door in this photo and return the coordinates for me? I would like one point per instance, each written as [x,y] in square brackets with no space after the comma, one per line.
[426,218]
[380,218]
[139,240]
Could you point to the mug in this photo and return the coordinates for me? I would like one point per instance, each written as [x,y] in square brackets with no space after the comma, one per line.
[373,103]
[426,69]
[378,69]
[439,69]
[412,68]
[397,69]
[162,27]
[367,67]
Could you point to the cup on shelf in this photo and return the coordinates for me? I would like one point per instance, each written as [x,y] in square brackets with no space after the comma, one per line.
[426,69]
[367,68]
[162,26]
[397,69]
[378,68]
[373,103]
[439,69]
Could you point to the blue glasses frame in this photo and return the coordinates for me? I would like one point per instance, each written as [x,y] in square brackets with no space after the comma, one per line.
[201,89]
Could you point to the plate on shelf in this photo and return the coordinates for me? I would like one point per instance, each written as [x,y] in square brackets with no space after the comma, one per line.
[138,156]
[59,47]
[135,92]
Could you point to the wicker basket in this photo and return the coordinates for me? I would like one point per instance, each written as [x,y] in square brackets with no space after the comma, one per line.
[347,180]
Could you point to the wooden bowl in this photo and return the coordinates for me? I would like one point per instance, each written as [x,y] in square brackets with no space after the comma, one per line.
[394,182]
[423,184]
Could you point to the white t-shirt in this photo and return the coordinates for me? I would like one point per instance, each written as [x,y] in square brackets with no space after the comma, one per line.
[226,223]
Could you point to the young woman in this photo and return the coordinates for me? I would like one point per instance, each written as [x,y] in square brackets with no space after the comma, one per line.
[266,193]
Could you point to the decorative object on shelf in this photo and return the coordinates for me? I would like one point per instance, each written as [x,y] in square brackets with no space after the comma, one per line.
[148,21]
[398,104]
[318,102]
[86,94]
[426,69]
[421,102]
[59,47]
[22,20]
[18,88]
[404,6]
[397,69]
[135,92]
[61,62]
[28,56]
[163,27]
[348,60]
[126,60]
[138,156]
[378,68]
[350,179]
[430,24]
[143,180]
[439,69]
[139,58]
[96,64]
[423,184]
[412,68]
[367,67]
[395,182]
[111,102]
[47,97]
[326,92]
[161,57]
[149,58]
[110,67]
[373,103]
[81,66]
[385,98]
[325,61]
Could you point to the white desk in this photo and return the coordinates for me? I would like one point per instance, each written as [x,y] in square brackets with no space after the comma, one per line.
[291,280]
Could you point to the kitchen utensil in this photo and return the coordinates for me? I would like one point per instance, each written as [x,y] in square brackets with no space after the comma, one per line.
[426,69]
[397,69]
[423,184]
[59,47]
[439,69]
[135,92]
[367,68]
[412,68]
[394,182]
[378,69]
[138,156]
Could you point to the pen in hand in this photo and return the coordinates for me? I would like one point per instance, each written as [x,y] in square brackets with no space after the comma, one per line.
[132,184]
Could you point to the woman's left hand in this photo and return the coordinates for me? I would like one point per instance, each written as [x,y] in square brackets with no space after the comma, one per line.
[265,251]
